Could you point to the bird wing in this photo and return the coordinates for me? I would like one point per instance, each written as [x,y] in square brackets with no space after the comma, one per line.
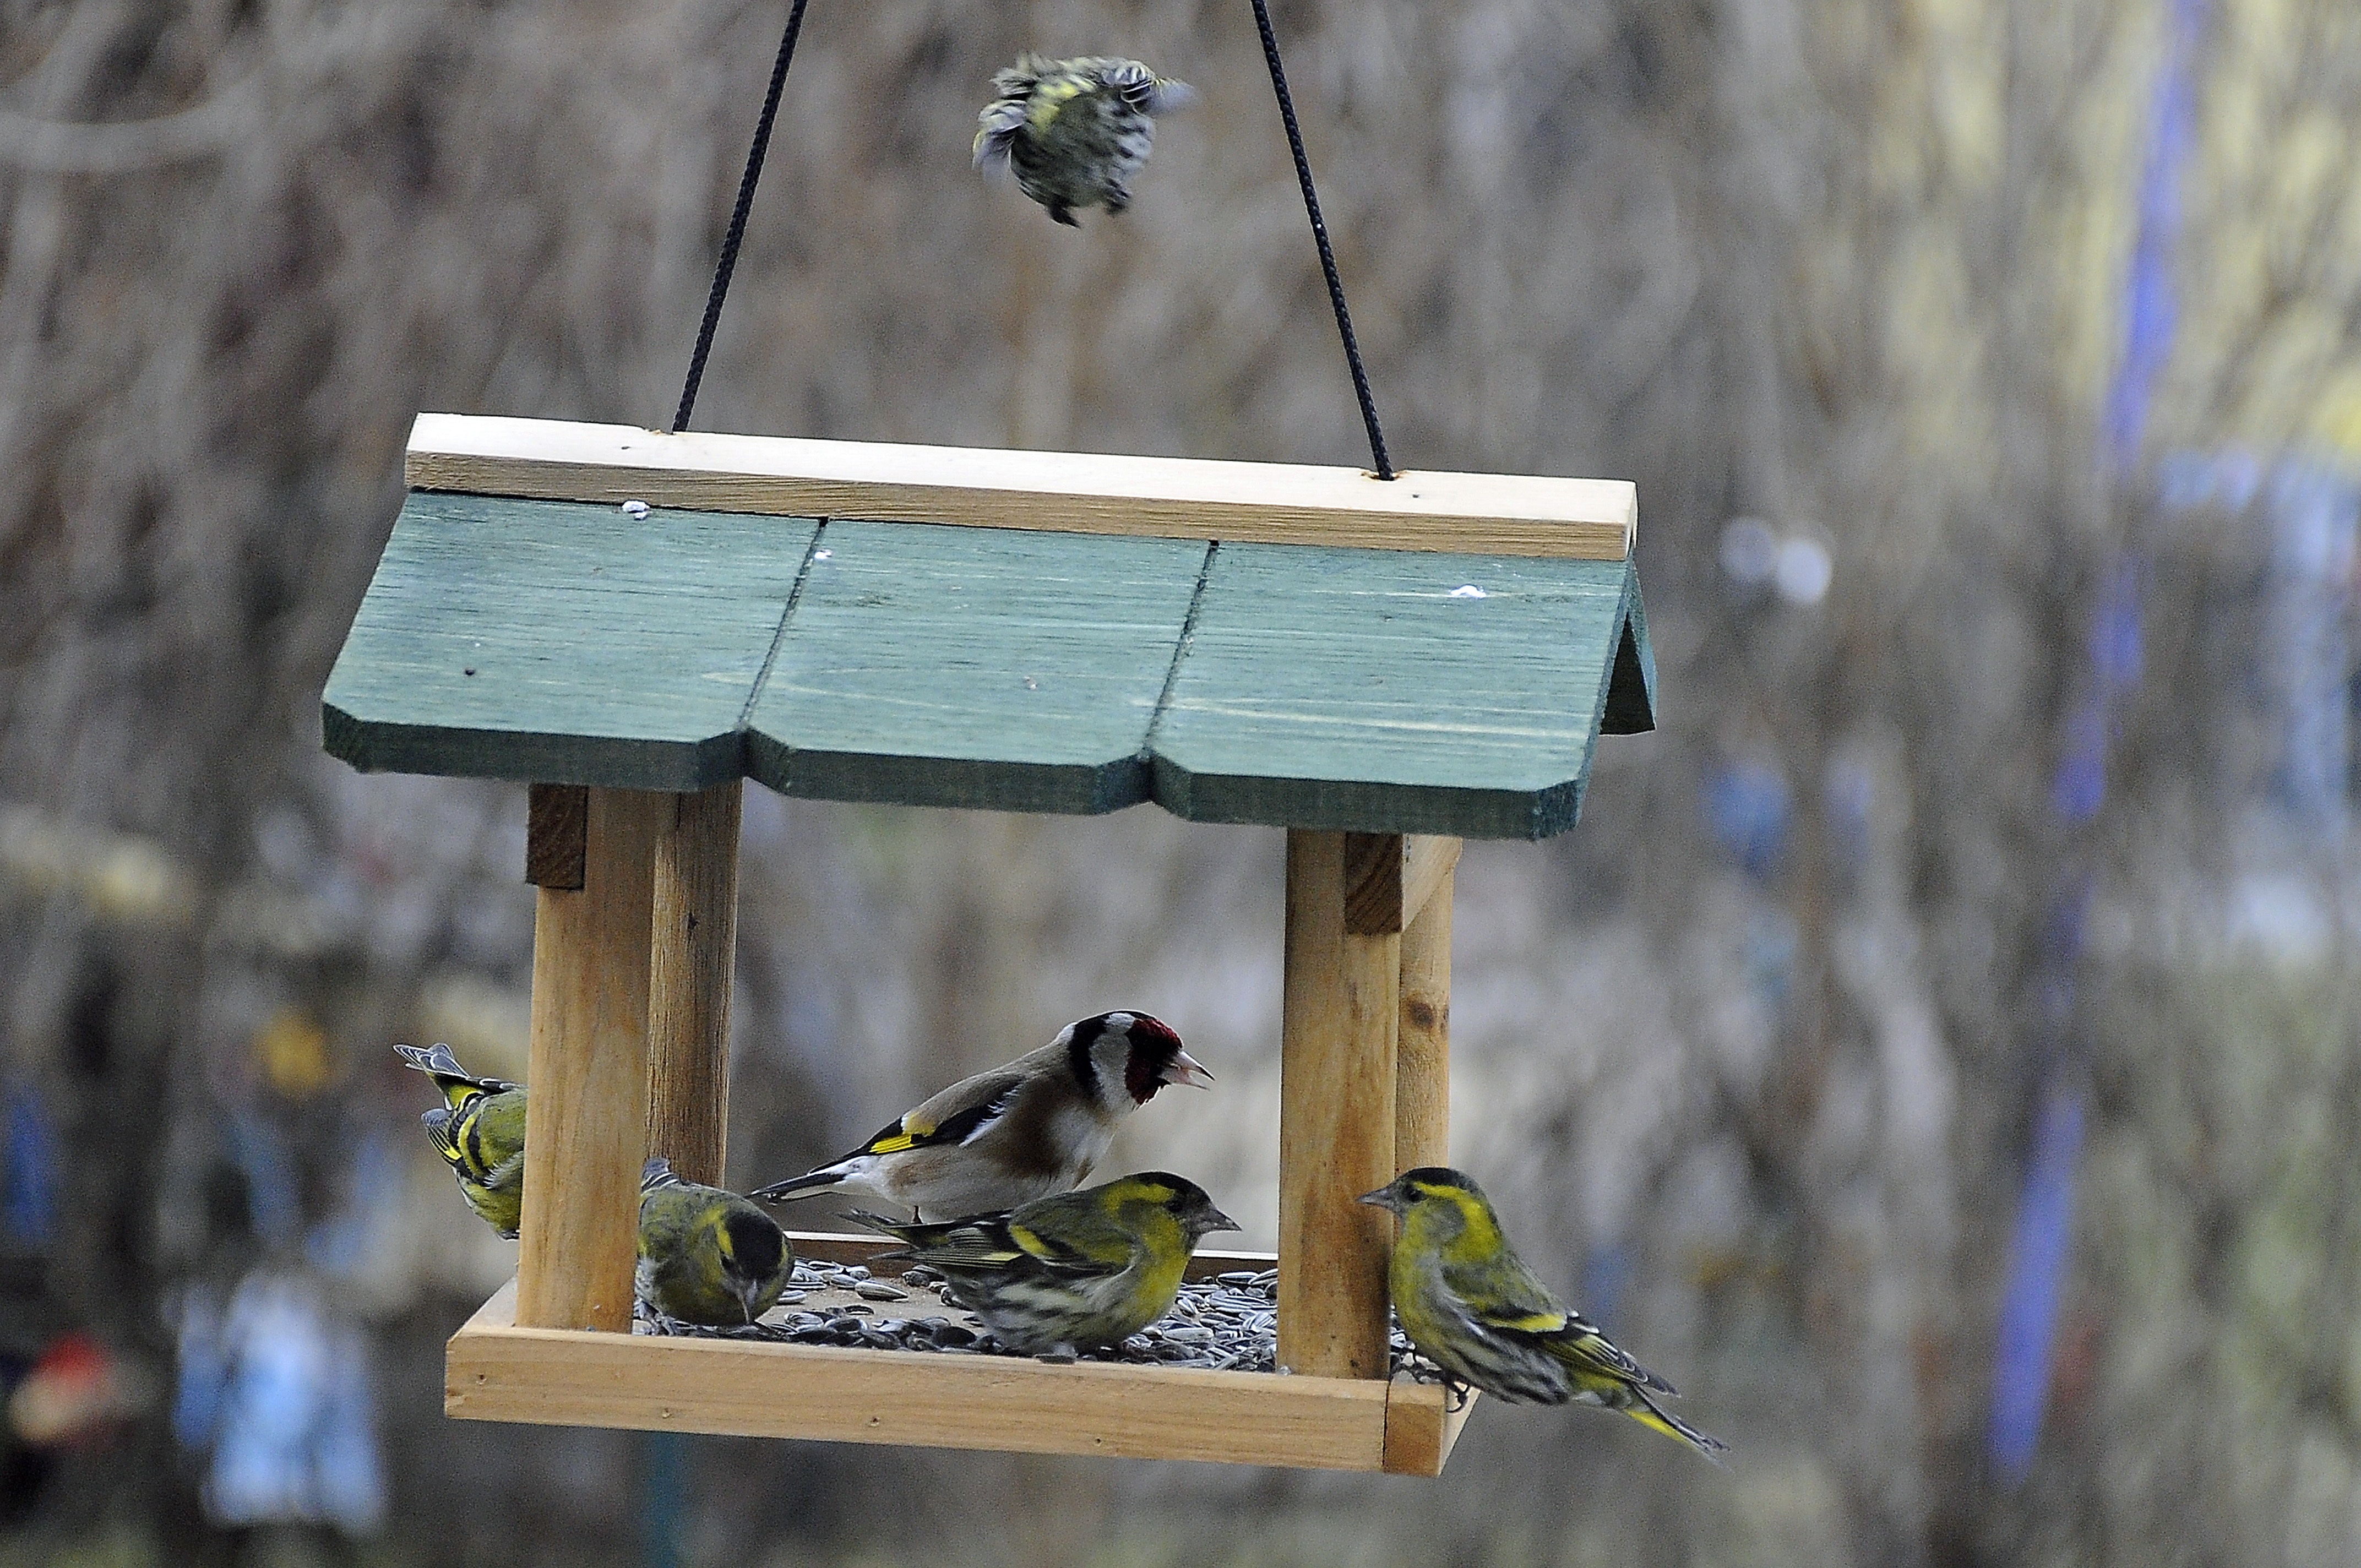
[445,1141]
[995,142]
[511,1169]
[1506,1297]
[981,1243]
[1580,1344]
[1073,1234]
[954,1116]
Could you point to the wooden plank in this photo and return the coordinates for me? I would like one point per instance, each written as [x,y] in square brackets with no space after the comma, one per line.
[1379,693]
[586,1118]
[1167,497]
[976,667]
[1390,876]
[1423,1045]
[973,668]
[1339,1016]
[1421,1427]
[692,961]
[1427,862]
[569,645]
[557,822]
[496,1371]
[1373,884]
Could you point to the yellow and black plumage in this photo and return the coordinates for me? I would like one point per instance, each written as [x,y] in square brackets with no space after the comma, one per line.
[1075,133]
[1469,1303]
[1071,1272]
[708,1255]
[480,1132]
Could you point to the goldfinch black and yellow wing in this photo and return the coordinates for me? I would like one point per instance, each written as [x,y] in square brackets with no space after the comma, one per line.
[952,1118]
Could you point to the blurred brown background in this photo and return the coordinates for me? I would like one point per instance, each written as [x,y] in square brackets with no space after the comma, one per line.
[1938,1049]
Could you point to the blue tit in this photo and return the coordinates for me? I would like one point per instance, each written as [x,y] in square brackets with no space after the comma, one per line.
[707,1256]
[1469,1303]
[1075,133]
[1018,1132]
[480,1132]
[1069,1273]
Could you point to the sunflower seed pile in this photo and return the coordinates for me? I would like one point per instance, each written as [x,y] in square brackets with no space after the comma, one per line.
[1228,1323]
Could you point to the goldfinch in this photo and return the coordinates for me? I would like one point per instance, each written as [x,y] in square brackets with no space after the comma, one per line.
[707,1256]
[1020,1132]
[1469,1302]
[480,1132]
[1065,1274]
[1074,132]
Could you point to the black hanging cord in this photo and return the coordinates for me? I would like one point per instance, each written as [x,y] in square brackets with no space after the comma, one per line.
[737,233]
[730,241]
[1320,235]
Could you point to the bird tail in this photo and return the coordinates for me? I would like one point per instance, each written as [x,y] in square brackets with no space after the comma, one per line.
[458,1086]
[900,1230]
[1655,1417]
[808,1184]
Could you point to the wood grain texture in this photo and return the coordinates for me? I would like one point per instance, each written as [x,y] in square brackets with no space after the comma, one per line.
[568,644]
[692,961]
[1421,1427]
[1376,692]
[586,1119]
[973,668]
[1373,884]
[1427,862]
[1388,877]
[558,819]
[497,1370]
[1423,1045]
[1339,1013]
[1169,498]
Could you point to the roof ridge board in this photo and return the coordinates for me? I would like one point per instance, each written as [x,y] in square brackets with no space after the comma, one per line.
[1171,498]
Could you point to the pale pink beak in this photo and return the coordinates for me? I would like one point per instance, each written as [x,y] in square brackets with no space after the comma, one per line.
[1188,1070]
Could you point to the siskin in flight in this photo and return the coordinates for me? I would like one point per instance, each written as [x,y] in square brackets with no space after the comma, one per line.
[480,1132]
[1068,1273]
[1020,1132]
[708,1255]
[1469,1302]
[1074,132]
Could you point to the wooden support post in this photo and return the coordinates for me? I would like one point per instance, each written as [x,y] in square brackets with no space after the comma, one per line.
[1339,1016]
[587,1115]
[689,974]
[1423,1052]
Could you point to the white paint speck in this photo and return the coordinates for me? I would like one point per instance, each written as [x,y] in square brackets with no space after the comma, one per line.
[1468,591]
[635,509]
[822,555]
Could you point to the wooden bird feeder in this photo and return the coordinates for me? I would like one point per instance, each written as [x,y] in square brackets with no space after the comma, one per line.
[1381,668]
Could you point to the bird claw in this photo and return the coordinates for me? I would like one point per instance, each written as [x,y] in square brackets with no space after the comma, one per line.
[1456,1394]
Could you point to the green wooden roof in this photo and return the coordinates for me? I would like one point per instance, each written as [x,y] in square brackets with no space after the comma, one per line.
[1300,685]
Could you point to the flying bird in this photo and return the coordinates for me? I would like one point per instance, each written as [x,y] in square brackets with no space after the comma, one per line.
[1075,133]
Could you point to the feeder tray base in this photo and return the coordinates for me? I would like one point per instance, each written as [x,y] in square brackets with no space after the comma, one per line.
[496,1371]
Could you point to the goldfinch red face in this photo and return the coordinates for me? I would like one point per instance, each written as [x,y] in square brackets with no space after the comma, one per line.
[1123,1059]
